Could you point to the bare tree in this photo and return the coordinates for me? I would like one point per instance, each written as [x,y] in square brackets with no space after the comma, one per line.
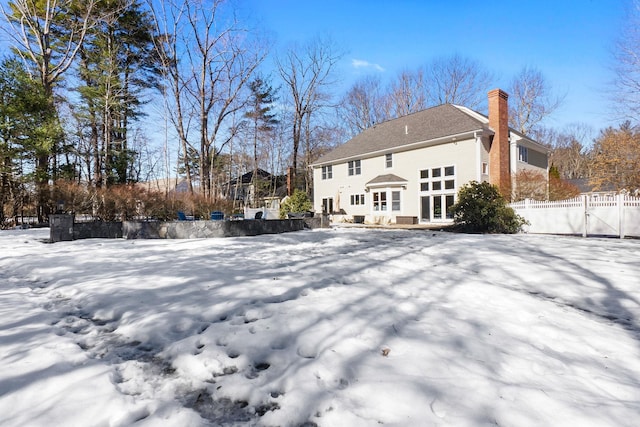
[306,71]
[167,18]
[531,100]
[567,149]
[616,159]
[208,60]
[406,94]
[457,80]
[626,55]
[363,105]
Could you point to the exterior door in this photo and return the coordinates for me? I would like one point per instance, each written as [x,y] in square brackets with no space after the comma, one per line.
[425,208]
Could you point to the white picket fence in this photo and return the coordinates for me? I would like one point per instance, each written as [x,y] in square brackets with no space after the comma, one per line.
[617,215]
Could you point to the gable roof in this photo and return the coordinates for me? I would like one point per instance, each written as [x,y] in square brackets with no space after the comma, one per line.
[248,177]
[386,179]
[426,125]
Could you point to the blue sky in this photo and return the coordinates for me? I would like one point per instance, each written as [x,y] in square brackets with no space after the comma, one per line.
[570,41]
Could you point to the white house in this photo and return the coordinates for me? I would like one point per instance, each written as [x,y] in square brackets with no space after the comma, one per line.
[410,169]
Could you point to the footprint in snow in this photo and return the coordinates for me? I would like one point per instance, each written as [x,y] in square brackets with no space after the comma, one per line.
[199,348]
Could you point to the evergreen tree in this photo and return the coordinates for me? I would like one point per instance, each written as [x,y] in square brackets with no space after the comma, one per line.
[117,63]
[47,36]
[262,121]
[28,130]
[482,209]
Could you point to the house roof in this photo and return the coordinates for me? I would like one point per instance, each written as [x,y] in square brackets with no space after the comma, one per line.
[585,186]
[426,125]
[248,177]
[386,179]
[447,120]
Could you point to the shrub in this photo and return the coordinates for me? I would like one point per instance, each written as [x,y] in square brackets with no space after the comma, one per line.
[126,202]
[297,202]
[482,209]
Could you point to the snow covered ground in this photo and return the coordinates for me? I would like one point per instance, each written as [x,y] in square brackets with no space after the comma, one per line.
[341,327]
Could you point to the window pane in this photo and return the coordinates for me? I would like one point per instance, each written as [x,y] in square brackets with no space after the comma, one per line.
[395,200]
[424,186]
[448,204]
[424,174]
[425,208]
[389,160]
[449,184]
[435,172]
[383,201]
[523,154]
[436,185]
[437,207]
[449,171]
[353,200]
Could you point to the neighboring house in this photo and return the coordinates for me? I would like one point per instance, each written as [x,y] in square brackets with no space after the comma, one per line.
[243,188]
[413,166]
[608,190]
[166,185]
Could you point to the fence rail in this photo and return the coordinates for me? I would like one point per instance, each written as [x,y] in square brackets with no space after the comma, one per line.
[585,215]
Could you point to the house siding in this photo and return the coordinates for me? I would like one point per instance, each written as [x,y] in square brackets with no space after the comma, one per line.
[537,159]
[406,165]
[470,145]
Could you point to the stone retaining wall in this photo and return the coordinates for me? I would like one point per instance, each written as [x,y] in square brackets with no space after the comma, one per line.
[64,228]
[207,229]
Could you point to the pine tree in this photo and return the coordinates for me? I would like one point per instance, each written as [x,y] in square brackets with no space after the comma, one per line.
[117,63]
[47,36]
[261,121]
[28,130]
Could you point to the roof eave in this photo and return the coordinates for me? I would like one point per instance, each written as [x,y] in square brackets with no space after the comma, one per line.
[407,147]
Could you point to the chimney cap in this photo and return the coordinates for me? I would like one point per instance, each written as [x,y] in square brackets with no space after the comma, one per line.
[498,92]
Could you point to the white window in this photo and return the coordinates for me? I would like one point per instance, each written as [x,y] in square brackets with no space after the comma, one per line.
[485,168]
[395,200]
[380,201]
[327,172]
[438,188]
[523,154]
[388,160]
[438,179]
[357,199]
[354,167]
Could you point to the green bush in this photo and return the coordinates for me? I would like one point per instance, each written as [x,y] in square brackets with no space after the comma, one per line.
[482,209]
[297,202]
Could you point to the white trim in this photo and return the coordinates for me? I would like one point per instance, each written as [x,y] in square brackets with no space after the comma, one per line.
[478,136]
[402,148]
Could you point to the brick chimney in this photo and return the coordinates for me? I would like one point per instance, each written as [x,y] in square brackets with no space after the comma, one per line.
[499,173]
